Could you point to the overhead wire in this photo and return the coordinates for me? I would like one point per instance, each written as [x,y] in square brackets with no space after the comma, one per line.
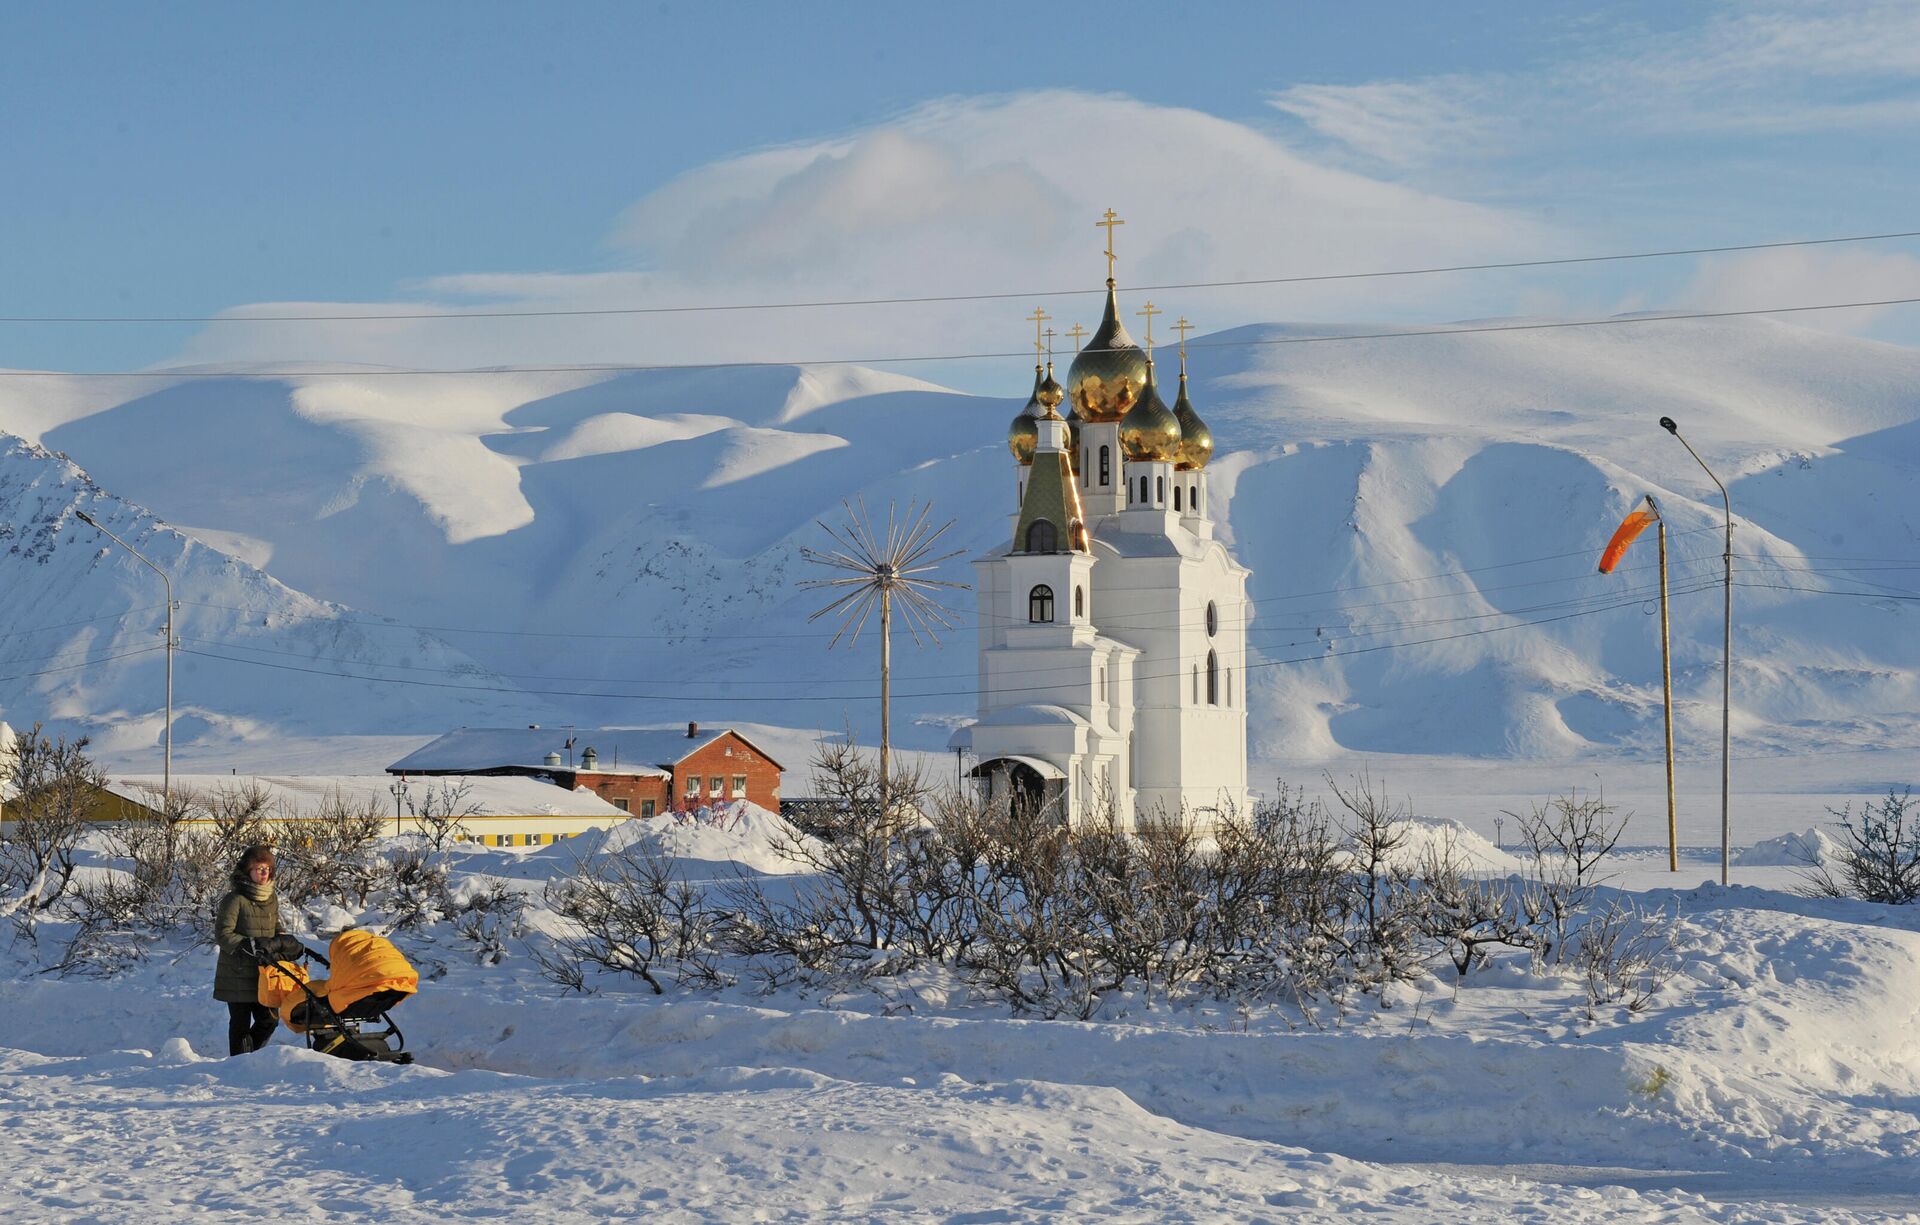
[1253,282]
[924,358]
[730,698]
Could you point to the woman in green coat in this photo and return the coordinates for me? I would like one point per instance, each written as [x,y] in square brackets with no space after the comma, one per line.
[246,925]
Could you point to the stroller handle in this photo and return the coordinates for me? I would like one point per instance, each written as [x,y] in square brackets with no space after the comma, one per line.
[271,959]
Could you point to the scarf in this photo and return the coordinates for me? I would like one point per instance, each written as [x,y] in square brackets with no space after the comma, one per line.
[262,893]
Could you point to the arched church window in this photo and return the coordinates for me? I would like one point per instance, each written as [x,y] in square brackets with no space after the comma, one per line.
[1176,497]
[1213,679]
[1160,486]
[1193,498]
[1106,466]
[1040,604]
[1213,618]
[1041,537]
[1143,489]
[1079,603]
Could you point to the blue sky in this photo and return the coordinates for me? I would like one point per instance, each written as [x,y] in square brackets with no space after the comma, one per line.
[197,159]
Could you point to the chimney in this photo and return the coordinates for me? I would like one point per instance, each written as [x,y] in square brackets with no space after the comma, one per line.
[693,729]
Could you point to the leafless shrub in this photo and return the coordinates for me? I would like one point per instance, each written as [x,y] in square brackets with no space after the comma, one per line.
[489,919]
[1879,859]
[1382,907]
[331,854]
[1620,955]
[1568,836]
[630,916]
[56,788]
[1467,917]
[437,810]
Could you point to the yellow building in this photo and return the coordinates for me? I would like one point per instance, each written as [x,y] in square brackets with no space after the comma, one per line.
[496,811]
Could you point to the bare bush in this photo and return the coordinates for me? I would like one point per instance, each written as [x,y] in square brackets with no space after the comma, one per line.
[628,915]
[1569,836]
[1879,859]
[1620,955]
[56,789]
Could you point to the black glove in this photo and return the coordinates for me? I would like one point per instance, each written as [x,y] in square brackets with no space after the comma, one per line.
[286,948]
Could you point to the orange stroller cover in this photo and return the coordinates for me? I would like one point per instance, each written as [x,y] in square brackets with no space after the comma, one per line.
[280,982]
[290,1014]
[364,963]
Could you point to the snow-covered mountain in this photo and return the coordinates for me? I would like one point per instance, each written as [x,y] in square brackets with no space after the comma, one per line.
[83,638]
[1422,517]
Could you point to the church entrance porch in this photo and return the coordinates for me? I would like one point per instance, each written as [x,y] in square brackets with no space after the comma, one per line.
[1031,786]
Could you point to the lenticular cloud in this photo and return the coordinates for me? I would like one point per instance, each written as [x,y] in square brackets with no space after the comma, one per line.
[967,196]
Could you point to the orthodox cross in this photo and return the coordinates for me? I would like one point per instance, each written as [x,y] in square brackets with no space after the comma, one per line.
[1050,335]
[1112,219]
[1039,318]
[1150,311]
[1183,327]
[1076,331]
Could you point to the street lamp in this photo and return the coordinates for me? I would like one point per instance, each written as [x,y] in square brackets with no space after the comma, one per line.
[1726,665]
[166,766]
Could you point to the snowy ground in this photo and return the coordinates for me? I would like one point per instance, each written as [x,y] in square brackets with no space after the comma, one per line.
[1775,1078]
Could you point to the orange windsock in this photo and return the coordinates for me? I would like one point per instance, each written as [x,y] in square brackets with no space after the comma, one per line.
[1630,528]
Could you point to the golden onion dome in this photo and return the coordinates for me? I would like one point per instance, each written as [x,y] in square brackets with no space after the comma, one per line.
[1196,440]
[1150,432]
[1023,436]
[1107,376]
[1050,393]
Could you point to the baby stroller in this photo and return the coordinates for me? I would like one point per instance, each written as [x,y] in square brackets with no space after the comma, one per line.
[367,978]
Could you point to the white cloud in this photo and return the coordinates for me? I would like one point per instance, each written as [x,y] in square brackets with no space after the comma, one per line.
[959,196]
[1809,276]
[1782,67]
[1401,123]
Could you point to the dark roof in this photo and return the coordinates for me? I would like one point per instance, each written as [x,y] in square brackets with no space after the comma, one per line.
[637,750]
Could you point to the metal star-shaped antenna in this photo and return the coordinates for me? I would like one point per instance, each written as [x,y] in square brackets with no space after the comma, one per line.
[877,568]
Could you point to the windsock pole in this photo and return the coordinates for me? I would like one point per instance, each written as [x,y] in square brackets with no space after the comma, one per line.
[1666,693]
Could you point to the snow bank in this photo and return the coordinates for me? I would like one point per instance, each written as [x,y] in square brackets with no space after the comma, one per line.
[1807,850]
[739,833]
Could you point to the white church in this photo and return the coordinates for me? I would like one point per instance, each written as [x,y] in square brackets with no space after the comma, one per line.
[1112,623]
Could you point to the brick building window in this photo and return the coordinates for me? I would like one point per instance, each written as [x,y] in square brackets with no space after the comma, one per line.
[646,808]
[739,787]
[623,806]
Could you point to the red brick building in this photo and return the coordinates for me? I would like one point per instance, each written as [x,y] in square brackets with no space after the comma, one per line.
[645,772]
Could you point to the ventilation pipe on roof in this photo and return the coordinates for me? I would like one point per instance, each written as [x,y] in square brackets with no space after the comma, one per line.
[693,729]
[553,760]
[589,759]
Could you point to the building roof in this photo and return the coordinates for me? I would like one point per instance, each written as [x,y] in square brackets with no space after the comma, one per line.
[621,750]
[484,796]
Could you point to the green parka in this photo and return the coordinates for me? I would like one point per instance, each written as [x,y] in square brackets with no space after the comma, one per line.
[236,979]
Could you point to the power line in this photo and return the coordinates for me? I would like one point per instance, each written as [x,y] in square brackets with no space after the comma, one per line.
[643,367]
[60,625]
[85,663]
[568,313]
[1611,599]
[974,623]
[730,698]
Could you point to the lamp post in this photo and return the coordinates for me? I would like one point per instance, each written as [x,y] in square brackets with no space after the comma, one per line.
[1726,665]
[166,761]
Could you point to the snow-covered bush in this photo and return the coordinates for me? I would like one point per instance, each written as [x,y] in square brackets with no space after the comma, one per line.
[626,913]
[54,786]
[1878,859]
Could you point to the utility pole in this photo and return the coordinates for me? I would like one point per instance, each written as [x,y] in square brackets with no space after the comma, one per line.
[166,761]
[1726,666]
